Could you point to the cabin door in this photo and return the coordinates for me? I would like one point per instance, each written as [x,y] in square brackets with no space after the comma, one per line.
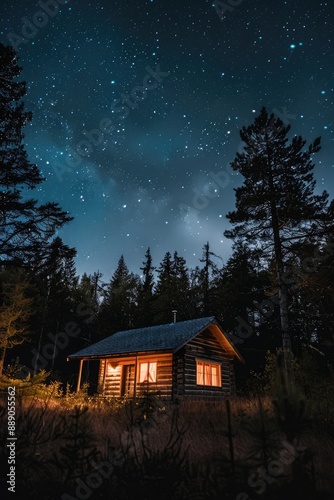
[128,380]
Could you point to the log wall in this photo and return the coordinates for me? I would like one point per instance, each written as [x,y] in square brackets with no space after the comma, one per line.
[204,347]
[110,384]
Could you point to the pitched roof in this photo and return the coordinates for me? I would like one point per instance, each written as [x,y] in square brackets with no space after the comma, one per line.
[167,337]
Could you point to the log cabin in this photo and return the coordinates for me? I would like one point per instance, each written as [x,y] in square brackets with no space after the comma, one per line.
[180,360]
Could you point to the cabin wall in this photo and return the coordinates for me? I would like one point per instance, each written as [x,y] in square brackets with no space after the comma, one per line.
[163,385]
[204,347]
[176,374]
[111,383]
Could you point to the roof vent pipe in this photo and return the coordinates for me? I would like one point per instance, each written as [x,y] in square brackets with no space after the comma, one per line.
[174,315]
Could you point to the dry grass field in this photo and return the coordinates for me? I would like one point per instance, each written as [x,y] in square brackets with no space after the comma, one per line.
[242,448]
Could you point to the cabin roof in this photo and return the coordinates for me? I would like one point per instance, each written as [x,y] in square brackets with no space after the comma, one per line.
[166,337]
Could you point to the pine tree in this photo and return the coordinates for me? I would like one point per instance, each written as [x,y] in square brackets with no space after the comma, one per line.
[88,298]
[206,275]
[90,291]
[145,293]
[56,281]
[181,283]
[243,305]
[164,292]
[16,310]
[276,206]
[173,289]
[238,285]
[57,267]
[312,295]
[25,226]
[148,269]
[118,309]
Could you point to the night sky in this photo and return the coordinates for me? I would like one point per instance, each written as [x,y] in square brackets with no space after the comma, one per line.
[166,87]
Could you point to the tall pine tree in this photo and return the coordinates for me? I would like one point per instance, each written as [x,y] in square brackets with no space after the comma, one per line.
[164,291]
[145,293]
[25,226]
[118,309]
[276,205]
[173,290]
[207,274]
[56,281]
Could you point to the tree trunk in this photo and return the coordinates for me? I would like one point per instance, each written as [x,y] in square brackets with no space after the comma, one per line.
[282,289]
[286,340]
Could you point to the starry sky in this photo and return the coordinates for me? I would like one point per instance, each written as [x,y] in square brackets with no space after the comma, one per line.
[137,107]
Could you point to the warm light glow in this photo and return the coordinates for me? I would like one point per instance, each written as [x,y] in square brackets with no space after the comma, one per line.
[148,372]
[112,368]
[208,374]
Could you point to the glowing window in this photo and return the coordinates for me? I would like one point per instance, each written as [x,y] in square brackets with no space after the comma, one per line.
[208,374]
[148,372]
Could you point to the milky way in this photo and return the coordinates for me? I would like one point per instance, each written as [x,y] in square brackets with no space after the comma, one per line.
[137,107]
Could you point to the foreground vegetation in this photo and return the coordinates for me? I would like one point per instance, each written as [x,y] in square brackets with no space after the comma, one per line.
[271,445]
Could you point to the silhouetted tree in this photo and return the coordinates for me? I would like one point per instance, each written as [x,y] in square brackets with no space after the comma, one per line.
[164,291]
[205,282]
[25,226]
[311,290]
[118,308]
[181,283]
[56,281]
[145,293]
[172,291]
[276,205]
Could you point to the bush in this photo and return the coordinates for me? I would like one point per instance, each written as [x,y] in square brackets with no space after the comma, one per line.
[35,386]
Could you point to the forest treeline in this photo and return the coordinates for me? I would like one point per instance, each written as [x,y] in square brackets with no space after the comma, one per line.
[276,289]
[61,312]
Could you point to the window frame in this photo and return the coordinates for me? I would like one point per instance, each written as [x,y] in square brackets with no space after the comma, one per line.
[147,380]
[208,364]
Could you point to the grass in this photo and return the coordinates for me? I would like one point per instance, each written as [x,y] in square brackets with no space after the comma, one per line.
[163,450]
